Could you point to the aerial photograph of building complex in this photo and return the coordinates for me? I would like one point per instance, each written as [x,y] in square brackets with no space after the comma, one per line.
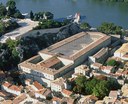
[63,52]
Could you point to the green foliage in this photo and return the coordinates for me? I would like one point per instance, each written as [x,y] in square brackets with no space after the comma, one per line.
[49,15]
[9,56]
[11,7]
[12,10]
[90,85]
[7,27]
[31,15]
[17,14]
[85,26]
[12,43]
[41,15]
[3,10]
[101,89]
[110,28]
[11,4]
[45,24]
[97,87]
[112,62]
[80,81]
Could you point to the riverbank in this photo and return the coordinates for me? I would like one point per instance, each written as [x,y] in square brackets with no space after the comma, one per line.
[96,12]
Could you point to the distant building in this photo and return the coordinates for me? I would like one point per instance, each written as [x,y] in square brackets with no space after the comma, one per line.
[66,93]
[81,70]
[96,66]
[56,100]
[122,52]
[100,57]
[89,99]
[107,69]
[59,84]
[19,99]
[36,86]
[61,58]
[113,94]
[11,88]
[44,93]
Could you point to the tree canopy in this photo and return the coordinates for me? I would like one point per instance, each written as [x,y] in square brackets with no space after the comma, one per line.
[112,62]
[110,28]
[85,26]
[97,87]
[3,10]
[10,10]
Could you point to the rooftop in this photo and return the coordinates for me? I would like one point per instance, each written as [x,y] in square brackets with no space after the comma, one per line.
[6,84]
[67,92]
[59,81]
[44,91]
[100,53]
[69,49]
[19,98]
[113,94]
[74,45]
[38,85]
[82,67]
[7,102]
[96,65]
[14,87]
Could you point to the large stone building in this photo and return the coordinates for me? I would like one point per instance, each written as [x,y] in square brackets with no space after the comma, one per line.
[59,59]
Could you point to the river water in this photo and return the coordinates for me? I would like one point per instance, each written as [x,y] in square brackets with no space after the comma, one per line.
[95,11]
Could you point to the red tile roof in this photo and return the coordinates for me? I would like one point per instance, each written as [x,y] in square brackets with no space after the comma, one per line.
[7,84]
[19,99]
[15,88]
[66,92]
[56,99]
[38,85]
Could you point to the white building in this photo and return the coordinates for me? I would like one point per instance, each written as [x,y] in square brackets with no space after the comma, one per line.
[58,85]
[107,69]
[44,93]
[96,66]
[81,70]
[61,58]
[13,89]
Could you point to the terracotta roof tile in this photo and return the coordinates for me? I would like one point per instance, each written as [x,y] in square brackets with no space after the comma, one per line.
[6,84]
[38,85]
[19,98]
[67,92]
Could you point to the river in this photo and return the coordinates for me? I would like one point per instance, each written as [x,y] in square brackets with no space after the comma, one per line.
[95,11]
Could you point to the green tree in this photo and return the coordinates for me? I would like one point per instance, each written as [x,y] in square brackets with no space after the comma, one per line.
[112,62]
[3,10]
[80,84]
[101,89]
[81,80]
[2,28]
[11,4]
[11,7]
[17,14]
[12,44]
[31,15]
[49,15]
[85,26]
[90,85]
[110,28]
